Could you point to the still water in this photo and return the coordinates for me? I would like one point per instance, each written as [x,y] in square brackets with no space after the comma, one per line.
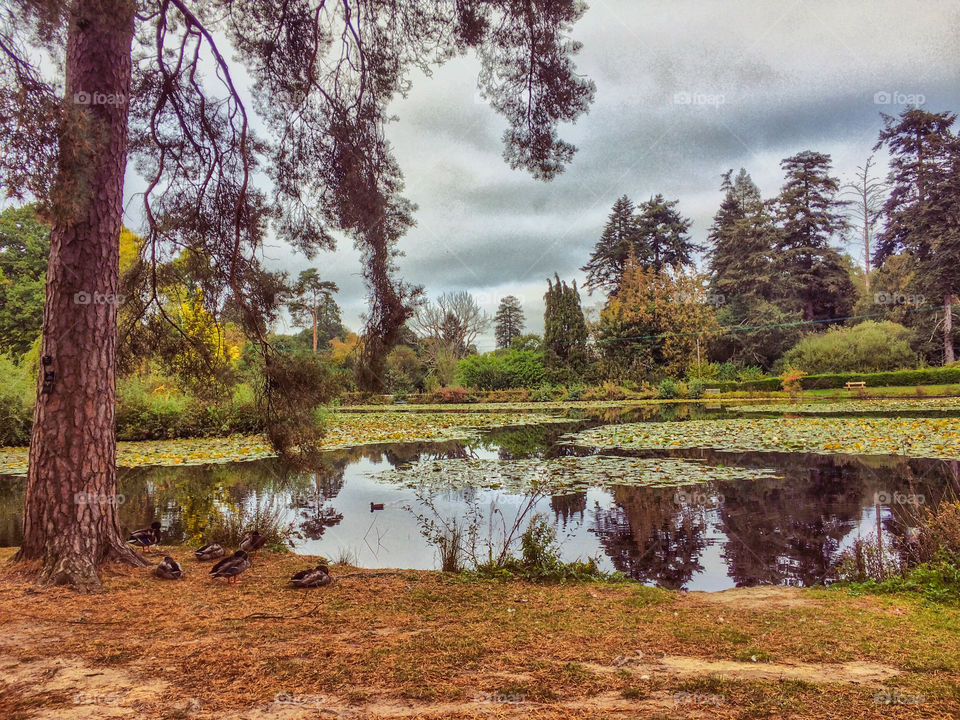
[786,530]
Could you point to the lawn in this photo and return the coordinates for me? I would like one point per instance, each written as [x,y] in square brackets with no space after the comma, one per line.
[426,644]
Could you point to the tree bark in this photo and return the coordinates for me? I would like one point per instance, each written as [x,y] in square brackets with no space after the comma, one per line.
[948,355]
[70,518]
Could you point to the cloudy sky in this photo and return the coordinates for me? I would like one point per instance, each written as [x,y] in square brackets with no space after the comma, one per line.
[685,91]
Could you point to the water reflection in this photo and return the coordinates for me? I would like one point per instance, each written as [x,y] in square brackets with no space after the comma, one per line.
[711,536]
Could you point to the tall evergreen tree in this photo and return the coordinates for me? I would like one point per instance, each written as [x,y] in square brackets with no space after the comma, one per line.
[664,239]
[923,209]
[508,321]
[564,326]
[742,237]
[812,276]
[919,143]
[609,257]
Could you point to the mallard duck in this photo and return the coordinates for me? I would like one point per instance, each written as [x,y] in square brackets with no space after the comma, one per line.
[253,542]
[169,569]
[146,537]
[314,577]
[209,552]
[231,567]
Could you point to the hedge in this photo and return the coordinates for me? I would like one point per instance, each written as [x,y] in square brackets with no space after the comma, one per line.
[833,381]
[927,376]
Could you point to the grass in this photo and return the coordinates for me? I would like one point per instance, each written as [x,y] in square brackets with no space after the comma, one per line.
[375,643]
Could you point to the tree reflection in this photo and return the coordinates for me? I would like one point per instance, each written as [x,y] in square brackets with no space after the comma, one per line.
[650,537]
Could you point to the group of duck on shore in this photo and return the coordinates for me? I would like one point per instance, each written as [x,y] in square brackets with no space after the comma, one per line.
[229,567]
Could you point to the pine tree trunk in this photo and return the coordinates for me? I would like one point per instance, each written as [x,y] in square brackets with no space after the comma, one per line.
[315,311]
[70,517]
[948,355]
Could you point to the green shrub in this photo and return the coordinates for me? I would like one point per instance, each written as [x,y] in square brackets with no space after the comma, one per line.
[502,370]
[867,347]
[575,392]
[540,560]
[667,389]
[750,374]
[704,371]
[546,393]
[695,388]
[153,408]
[17,397]
[727,371]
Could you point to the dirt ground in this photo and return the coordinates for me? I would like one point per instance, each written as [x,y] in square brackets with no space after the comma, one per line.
[413,644]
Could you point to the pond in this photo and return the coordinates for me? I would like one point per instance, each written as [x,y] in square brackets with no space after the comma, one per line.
[689,518]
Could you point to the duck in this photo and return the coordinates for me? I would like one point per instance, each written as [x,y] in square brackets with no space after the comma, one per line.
[145,537]
[312,577]
[168,569]
[209,552]
[231,567]
[253,542]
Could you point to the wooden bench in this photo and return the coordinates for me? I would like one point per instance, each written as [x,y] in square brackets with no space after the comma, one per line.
[852,385]
[712,391]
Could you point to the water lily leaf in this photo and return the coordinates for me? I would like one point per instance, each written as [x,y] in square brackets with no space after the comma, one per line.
[909,437]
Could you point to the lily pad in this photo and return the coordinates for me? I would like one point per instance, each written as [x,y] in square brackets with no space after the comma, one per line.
[565,474]
[909,437]
[912,405]
[344,431]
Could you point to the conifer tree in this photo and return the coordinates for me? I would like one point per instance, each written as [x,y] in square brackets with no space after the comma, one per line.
[812,276]
[565,328]
[508,321]
[923,209]
[609,257]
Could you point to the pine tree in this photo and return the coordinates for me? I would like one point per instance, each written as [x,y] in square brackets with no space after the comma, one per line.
[610,254]
[508,321]
[742,237]
[919,143]
[923,209]
[564,327]
[663,235]
[813,277]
